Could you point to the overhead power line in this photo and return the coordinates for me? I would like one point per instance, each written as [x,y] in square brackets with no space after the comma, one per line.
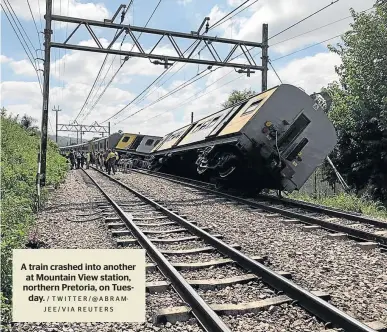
[24,46]
[214,25]
[103,65]
[243,9]
[165,96]
[305,48]
[256,54]
[220,20]
[304,19]
[122,64]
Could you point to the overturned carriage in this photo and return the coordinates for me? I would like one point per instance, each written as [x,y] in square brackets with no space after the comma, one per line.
[273,140]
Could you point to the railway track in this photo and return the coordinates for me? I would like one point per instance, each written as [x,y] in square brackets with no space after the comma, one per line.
[162,233]
[369,232]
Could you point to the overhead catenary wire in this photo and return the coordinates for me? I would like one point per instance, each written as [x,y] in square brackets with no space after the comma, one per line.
[269,38]
[23,46]
[195,96]
[176,89]
[126,58]
[304,19]
[243,9]
[200,50]
[221,19]
[102,66]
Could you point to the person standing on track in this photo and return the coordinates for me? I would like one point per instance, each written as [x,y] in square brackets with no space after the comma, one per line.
[87,159]
[72,159]
[83,158]
[110,161]
[105,155]
[101,160]
[79,157]
[116,160]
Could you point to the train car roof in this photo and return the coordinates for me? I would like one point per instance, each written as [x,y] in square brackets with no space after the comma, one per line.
[236,104]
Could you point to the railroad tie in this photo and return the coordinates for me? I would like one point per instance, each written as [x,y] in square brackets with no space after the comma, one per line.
[177,230]
[209,284]
[168,223]
[183,313]
[194,250]
[172,240]
[202,265]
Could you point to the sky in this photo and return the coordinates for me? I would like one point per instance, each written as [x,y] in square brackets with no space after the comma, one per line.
[74,72]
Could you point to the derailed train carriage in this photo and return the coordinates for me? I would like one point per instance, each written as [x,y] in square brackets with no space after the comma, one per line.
[135,146]
[273,140]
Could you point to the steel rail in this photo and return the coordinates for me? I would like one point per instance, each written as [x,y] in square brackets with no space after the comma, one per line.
[326,210]
[287,201]
[200,309]
[304,298]
[328,225]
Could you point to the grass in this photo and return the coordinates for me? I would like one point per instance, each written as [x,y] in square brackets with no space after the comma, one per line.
[19,151]
[347,202]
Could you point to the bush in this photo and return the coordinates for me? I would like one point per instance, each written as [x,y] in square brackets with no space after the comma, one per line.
[19,151]
[347,202]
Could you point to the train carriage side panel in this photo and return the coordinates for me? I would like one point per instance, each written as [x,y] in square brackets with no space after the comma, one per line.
[126,141]
[204,127]
[148,143]
[171,138]
[113,140]
[305,135]
[246,113]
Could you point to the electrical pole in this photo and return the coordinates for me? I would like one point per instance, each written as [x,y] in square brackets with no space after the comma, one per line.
[191,117]
[46,91]
[108,128]
[56,123]
[265,58]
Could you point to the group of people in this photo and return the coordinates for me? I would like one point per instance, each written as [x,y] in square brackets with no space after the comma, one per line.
[105,160]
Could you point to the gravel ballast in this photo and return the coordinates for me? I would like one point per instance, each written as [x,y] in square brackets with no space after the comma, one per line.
[355,278]
[56,228]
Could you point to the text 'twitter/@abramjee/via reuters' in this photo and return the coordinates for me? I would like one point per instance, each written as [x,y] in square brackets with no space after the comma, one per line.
[79,285]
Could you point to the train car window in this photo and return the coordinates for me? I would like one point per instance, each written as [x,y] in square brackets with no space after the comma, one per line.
[157,142]
[197,128]
[149,142]
[205,124]
[213,121]
[296,128]
[252,107]
[125,139]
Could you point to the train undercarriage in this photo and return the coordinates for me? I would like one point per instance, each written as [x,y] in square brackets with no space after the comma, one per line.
[223,165]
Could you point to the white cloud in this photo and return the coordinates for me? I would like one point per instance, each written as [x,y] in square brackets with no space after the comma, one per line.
[76,8]
[283,13]
[4,59]
[23,67]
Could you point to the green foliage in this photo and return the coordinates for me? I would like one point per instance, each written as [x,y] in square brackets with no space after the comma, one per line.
[237,96]
[359,105]
[347,202]
[19,151]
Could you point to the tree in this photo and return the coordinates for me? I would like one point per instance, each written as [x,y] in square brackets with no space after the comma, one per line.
[359,104]
[237,96]
[27,122]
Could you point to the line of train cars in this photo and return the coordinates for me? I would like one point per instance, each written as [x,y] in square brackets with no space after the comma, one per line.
[273,140]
